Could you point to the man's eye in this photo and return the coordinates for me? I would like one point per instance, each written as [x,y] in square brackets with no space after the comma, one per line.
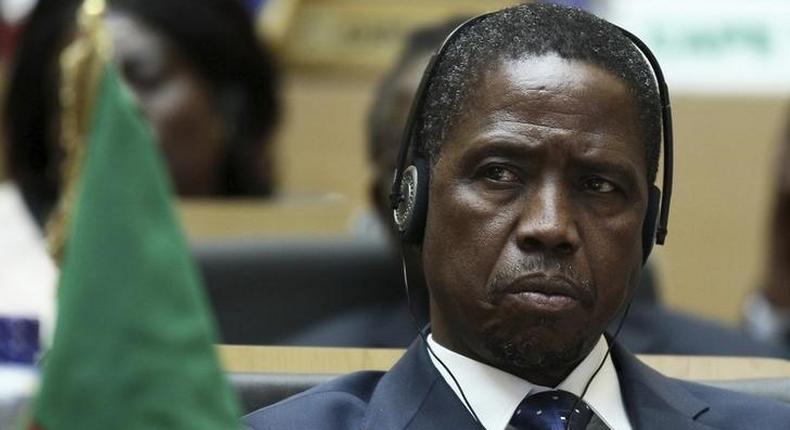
[598,185]
[500,174]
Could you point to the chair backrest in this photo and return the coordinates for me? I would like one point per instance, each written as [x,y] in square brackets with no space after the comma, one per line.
[263,292]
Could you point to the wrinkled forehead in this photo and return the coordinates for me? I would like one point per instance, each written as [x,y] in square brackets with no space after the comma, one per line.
[553,92]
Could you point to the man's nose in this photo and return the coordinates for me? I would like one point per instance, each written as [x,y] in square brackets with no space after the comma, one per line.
[547,221]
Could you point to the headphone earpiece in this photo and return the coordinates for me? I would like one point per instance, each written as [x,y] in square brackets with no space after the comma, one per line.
[651,222]
[412,209]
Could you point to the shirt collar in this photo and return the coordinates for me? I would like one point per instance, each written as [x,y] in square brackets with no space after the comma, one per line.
[495,394]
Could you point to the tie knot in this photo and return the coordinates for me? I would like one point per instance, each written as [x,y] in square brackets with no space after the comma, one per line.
[550,410]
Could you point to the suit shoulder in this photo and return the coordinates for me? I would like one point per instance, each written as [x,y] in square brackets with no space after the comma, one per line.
[337,404]
[734,410]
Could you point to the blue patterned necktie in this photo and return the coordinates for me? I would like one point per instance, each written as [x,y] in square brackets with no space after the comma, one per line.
[551,410]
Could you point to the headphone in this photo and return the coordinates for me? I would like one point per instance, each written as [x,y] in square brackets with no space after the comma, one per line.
[409,195]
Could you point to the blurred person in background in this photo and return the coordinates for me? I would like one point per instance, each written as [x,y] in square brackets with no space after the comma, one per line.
[390,109]
[650,327]
[386,323]
[201,76]
[767,312]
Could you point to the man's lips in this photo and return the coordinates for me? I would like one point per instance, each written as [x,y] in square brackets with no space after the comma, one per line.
[548,291]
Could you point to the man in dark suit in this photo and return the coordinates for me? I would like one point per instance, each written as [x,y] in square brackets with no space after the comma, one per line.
[540,129]
[651,327]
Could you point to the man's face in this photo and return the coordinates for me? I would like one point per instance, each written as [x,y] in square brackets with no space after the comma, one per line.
[533,236]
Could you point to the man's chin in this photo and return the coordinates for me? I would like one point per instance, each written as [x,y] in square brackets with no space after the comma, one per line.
[526,353]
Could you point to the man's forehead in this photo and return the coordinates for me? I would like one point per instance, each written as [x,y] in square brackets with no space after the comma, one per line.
[550,92]
[549,75]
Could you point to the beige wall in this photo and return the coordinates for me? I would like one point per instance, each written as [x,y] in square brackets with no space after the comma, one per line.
[322,144]
[725,160]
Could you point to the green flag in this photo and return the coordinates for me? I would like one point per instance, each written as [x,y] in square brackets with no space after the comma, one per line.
[133,344]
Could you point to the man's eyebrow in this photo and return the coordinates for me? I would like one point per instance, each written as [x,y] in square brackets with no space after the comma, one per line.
[498,147]
[622,169]
[506,144]
[513,145]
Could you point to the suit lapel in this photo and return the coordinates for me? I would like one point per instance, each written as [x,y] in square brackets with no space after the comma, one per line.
[414,396]
[652,400]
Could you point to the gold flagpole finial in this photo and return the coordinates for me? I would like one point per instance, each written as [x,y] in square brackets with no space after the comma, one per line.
[81,64]
[94,8]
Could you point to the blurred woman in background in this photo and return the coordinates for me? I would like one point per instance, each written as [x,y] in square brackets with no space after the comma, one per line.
[200,75]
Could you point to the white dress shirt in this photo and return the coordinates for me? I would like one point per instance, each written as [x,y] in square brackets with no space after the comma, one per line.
[495,394]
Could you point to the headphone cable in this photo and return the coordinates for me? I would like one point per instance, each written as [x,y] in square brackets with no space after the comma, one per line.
[600,365]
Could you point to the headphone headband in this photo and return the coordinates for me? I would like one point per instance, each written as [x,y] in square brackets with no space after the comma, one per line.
[666,134]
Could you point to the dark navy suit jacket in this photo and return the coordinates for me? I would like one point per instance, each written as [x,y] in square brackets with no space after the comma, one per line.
[413,395]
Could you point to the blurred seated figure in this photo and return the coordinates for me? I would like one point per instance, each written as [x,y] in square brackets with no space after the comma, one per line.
[650,327]
[199,73]
[390,110]
[767,312]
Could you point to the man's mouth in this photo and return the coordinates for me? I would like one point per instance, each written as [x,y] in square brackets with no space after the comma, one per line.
[548,292]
